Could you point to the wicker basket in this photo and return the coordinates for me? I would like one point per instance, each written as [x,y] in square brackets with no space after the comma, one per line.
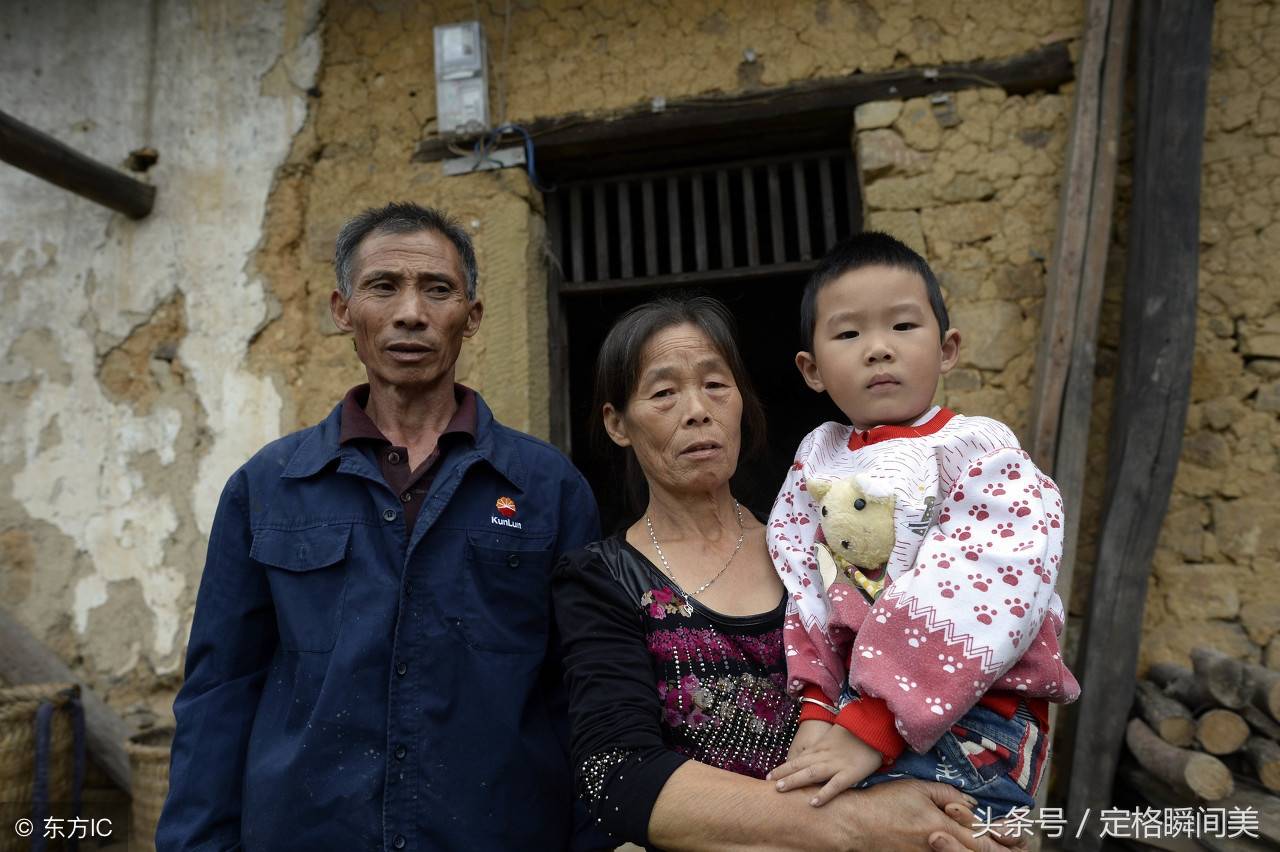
[19,739]
[149,762]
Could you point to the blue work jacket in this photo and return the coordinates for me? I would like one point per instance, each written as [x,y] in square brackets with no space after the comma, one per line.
[353,687]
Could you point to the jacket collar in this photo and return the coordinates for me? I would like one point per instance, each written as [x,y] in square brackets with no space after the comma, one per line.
[320,447]
[930,422]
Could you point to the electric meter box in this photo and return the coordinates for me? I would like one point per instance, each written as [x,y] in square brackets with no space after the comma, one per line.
[462,78]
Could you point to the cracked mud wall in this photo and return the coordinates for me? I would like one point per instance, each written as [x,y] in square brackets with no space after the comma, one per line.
[979,193]
[147,360]
[1216,572]
[374,101]
[125,386]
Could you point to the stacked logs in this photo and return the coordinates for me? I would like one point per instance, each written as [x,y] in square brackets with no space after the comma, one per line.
[1202,730]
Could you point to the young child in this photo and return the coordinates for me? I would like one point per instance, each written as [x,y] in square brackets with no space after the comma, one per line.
[945,674]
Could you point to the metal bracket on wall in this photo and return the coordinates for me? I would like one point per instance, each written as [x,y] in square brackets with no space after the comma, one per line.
[498,158]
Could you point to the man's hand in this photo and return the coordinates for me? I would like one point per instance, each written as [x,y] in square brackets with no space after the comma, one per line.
[837,761]
[910,815]
[807,736]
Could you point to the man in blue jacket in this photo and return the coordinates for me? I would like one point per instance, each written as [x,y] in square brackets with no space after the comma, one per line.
[372,663]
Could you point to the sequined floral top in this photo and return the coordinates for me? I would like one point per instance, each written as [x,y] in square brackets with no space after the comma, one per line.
[656,678]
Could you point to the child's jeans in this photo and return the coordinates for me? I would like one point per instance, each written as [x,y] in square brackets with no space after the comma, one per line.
[996,760]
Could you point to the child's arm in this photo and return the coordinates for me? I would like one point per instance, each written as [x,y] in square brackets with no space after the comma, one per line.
[837,761]
[941,636]
[815,665]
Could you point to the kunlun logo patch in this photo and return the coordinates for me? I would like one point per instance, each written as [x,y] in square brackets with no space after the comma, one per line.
[507,509]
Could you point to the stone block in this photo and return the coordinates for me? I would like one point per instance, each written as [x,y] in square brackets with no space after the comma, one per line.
[1246,528]
[1268,368]
[883,152]
[1183,532]
[991,333]
[1193,591]
[899,193]
[1268,398]
[1207,449]
[962,379]
[1261,339]
[876,114]
[918,125]
[1172,641]
[964,187]
[1221,413]
[961,223]
[903,224]
[1260,615]
[1024,281]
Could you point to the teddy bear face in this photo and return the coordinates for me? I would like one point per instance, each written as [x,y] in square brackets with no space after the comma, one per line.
[857,523]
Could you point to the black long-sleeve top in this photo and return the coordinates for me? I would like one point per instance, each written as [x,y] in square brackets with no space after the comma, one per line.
[655,678]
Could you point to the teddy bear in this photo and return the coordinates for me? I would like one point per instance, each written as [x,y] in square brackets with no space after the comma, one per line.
[857,532]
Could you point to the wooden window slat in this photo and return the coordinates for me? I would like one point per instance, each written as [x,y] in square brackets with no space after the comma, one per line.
[775,215]
[673,225]
[749,208]
[802,210]
[575,233]
[699,225]
[828,204]
[725,215]
[650,230]
[624,230]
[601,216]
[852,198]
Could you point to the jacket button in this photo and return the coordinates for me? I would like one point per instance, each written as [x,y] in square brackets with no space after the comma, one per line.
[388,515]
[401,669]
[398,842]
[513,560]
[401,751]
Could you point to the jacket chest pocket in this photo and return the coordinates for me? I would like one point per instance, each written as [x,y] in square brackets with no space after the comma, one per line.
[506,603]
[307,570]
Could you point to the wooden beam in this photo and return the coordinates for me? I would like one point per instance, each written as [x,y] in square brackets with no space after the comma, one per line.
[1062,403]
[743,275]
[782,113]
[25,660]
[1153,386]
[45,157]
[1073,290]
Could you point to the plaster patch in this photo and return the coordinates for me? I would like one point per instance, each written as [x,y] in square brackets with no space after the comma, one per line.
[79,279]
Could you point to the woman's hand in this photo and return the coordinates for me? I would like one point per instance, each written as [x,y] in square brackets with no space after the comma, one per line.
[837,761]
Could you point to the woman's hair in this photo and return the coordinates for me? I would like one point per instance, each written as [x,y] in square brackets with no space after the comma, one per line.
[618,372]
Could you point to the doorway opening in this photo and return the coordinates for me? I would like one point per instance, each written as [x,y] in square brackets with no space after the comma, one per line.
[767,312]
[748,233]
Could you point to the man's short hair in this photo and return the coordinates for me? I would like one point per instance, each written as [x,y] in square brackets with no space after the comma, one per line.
[869,248]
[400,218]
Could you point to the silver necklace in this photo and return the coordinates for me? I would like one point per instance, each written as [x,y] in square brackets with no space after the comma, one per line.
[742,534]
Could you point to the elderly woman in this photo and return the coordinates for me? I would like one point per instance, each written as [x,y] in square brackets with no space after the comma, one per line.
[672,629]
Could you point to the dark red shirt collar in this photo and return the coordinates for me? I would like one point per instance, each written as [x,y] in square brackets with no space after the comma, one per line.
[356,423]
[876,434]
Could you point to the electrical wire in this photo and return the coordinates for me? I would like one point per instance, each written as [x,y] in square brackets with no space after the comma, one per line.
[489,141]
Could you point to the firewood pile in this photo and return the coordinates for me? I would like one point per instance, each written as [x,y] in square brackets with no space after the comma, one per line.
[1210,734]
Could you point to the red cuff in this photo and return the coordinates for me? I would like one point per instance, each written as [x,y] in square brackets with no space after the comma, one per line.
[809,710]
[870,720]
[1006,704]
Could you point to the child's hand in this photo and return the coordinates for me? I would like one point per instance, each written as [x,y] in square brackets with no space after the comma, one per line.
[807,736]
[839,759]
